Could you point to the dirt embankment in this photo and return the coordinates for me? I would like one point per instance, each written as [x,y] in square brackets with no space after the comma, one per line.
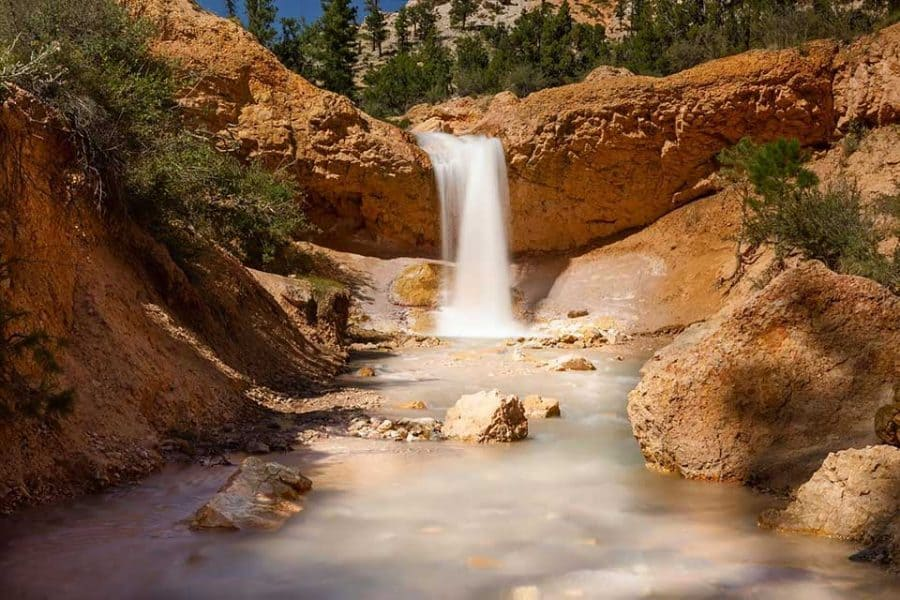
[153,349]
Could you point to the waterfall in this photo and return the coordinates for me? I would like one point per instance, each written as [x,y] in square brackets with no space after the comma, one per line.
[470,173]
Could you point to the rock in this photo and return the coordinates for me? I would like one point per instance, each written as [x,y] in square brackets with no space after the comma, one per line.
[486,416]
[855,495]
[887,424]
[361,173]
[418,285]
[257,447]
[575,314]
[571,362]
[410,430]
[415,405]
[365,372]
[259,495]
[764,391]
[538,407]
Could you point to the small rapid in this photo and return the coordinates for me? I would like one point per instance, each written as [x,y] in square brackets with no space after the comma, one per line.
[470,172]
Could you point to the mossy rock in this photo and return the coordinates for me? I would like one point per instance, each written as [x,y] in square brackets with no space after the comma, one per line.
[418,285]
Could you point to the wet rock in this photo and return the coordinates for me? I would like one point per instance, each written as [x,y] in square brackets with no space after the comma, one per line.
[486,416]
[887,424]
[854,495]
[366,372]
[414,405]
[409,430]
[260,495]
[571,362]
[576,314]
[257,447]
[538,407]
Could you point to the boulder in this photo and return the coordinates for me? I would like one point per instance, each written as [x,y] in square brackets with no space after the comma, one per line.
[417,285]
[764,391]
[365,372]
[571,362]
[538,407]
[855,495]
[486,416]
[414,405]
[887,424]
[260,495]
[576,314]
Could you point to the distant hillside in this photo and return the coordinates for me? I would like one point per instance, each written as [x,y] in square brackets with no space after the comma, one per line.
[490,12]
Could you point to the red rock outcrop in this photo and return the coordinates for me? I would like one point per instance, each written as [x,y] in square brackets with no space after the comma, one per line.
[363,174]
[762,393]
[616,152]
[151,347]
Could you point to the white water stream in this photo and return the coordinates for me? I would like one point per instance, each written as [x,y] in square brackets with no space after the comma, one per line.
[471,178]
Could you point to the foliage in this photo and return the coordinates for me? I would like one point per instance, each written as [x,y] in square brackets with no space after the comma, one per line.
[376,24]
[188,184]
[337,46]
[460,11]
[423,18]
[666,36]
[120,102]
[231,8]
[260,19]
[28,367]
[295,47]
[401,28]
[408,78]
[785,207]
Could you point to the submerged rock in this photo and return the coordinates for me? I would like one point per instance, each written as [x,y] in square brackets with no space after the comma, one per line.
[365,372]
[260,495]
[855,495]
[414,405]
[538,407]
[409,430]
[486,416]
[762,393]
[571,362]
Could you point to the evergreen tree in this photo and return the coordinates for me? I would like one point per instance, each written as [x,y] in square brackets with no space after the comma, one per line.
[296,47]
[261,19]
[424,20]
[338,46]
[230,8]
[556,56]
[460,11]
[375,24]
[401,28]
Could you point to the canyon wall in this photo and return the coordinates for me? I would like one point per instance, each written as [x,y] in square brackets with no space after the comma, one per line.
[586,161]
[152,349]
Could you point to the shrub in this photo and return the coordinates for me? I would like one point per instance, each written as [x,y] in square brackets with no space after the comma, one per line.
[785,207]
[120,101]
[28,367]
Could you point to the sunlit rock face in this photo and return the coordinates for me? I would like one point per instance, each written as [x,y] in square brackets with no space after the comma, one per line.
[762,393]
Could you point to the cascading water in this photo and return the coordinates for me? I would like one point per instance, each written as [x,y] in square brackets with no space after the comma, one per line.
[471,180]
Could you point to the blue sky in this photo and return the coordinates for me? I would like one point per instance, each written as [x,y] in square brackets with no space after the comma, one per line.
[309,9]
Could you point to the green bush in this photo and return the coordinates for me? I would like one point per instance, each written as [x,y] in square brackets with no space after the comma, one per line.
[28,367]
[786,207]
[120,100]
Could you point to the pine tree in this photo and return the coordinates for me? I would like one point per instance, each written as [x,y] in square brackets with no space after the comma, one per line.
[375,24]
[261,19]
[338,46]
[231,9]
[424,20]
[460,11]
[401,28]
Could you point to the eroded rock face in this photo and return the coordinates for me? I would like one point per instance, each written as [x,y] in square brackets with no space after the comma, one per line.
[260,495]
[855,495]
[486,417]
[763,393]
[363,174]
[887,424]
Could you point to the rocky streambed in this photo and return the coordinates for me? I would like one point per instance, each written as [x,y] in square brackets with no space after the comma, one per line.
[570,511]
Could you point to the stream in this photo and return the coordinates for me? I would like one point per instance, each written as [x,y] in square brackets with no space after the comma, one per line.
[569,513]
